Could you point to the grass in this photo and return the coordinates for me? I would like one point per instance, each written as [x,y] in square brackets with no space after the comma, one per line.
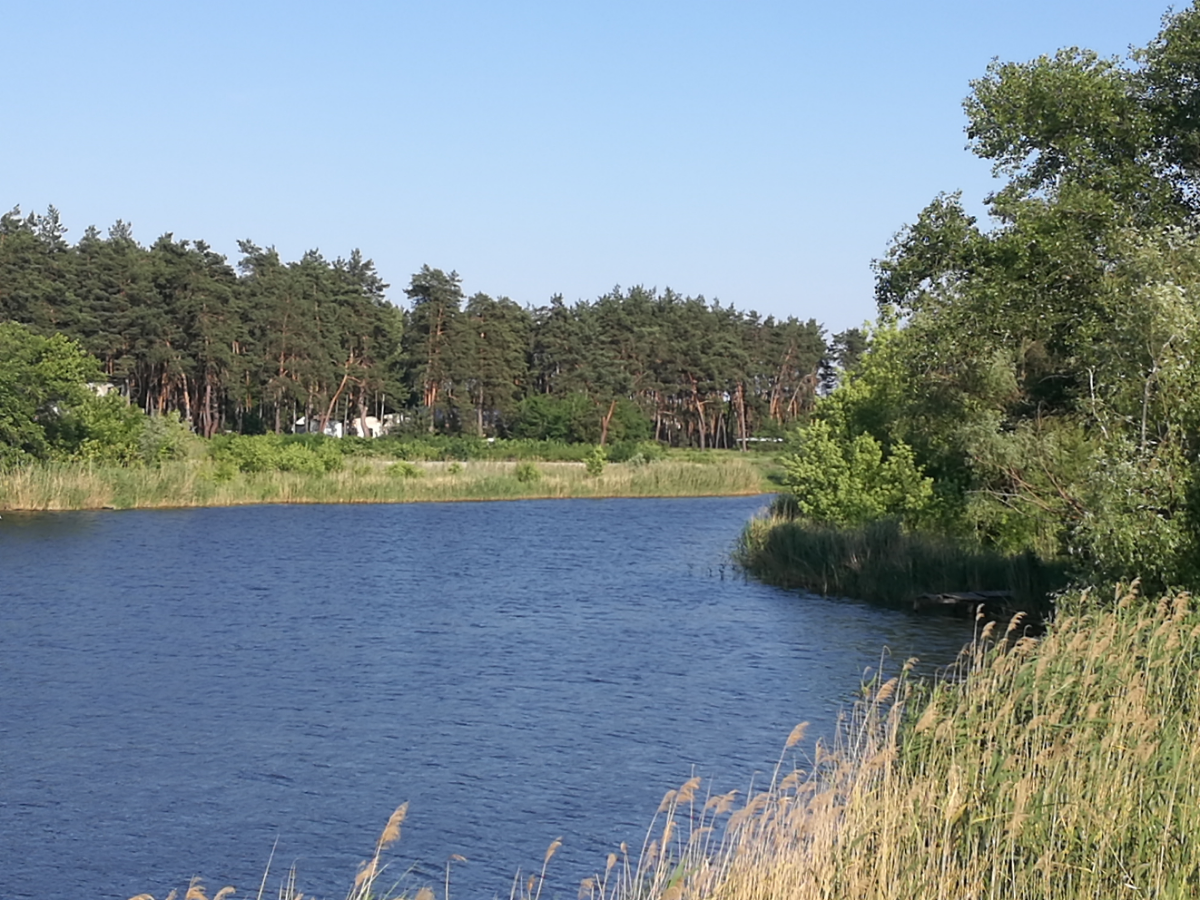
[365,480]
[1057,768]
[885,565]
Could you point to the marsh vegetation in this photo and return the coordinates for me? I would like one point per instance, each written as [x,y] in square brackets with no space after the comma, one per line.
[305,478]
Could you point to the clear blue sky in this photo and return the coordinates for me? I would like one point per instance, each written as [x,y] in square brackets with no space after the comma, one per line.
[762,153]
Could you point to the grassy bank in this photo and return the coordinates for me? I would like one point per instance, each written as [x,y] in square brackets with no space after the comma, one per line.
[883,564]
[365,480]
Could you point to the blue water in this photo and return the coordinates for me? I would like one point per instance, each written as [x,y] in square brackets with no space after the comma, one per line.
[182,691]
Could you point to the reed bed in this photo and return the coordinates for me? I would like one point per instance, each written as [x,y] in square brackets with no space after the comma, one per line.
[365,480]
[886,565]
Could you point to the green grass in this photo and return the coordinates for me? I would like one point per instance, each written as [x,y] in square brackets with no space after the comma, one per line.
[201,482]
[883,564]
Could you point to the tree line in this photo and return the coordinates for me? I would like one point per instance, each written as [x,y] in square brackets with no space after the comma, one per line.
[259,345]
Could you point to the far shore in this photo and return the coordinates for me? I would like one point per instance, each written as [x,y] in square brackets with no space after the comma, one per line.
[194,483]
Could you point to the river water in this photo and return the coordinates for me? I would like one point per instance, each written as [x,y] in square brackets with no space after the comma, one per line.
[182,691]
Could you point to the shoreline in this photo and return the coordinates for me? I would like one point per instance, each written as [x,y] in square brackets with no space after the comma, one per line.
[197,484]
[234,505]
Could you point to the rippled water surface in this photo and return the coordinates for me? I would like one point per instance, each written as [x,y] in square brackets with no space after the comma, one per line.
[180,690]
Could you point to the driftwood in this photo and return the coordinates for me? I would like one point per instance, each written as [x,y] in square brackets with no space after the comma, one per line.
[964,602]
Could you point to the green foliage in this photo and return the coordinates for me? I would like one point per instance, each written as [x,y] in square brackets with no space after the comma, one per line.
[1138,514]
[849,483]
[311,455]
[547,451]
[100,430]
[406,469]
[639,452]
[595,461]
[433,447]
[527,472]
[569,419]
[41,380]
[1043,377]
[166,438]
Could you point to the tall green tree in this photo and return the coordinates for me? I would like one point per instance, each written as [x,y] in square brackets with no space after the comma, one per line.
[494,358]
[433,340]
[41,380]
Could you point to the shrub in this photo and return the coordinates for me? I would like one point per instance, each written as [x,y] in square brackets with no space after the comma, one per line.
[405,469]
[637,452]
[100,430]
[851,483]
[308,455]
[165,438]
[594,463]
[527,473]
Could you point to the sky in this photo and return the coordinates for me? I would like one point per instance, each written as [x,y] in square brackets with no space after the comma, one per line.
[758,153]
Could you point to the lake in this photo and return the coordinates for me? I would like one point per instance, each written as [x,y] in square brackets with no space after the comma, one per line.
[182,691]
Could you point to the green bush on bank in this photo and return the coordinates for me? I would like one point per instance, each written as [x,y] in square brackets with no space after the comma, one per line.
[527,473]
[309,455]
[465,448]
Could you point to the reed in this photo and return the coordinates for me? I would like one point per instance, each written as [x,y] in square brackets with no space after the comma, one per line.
[368,480]
[886,565]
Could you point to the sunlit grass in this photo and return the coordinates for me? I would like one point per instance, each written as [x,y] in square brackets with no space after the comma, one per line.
[364,480]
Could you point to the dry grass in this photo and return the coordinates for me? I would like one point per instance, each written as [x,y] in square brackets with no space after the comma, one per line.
[195,483]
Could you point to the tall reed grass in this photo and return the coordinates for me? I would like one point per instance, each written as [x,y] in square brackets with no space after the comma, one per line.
[884,564]
[363,480]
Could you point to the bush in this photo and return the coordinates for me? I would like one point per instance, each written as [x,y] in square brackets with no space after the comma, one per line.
[568,419]
[100,430]
[165,438]
[405,469]
[595,461]
[851,483]
[307,455]
[527,473]
[637,452]
[546,451]
[577,419]
[431,447]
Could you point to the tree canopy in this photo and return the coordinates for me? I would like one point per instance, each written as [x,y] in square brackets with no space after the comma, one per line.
[1044,372]
[262,344]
